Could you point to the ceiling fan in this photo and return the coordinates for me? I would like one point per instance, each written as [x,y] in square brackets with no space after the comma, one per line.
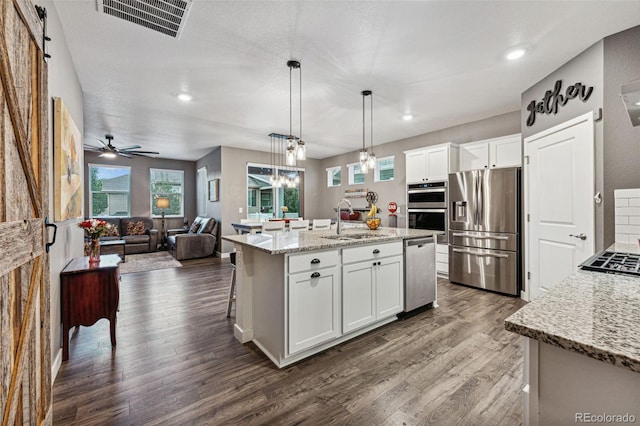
[109,151]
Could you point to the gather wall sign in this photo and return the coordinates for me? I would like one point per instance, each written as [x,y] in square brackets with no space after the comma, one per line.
[553,99]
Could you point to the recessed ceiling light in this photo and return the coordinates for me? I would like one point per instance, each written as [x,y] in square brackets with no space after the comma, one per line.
[515,54]
[637,103]
[407,117]
[185,97]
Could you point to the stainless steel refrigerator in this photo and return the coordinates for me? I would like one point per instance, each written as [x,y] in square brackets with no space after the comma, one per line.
[484,229]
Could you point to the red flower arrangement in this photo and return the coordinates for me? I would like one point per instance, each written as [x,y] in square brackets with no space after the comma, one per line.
[95,228]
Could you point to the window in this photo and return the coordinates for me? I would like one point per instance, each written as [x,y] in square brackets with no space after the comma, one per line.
[355,175]
[109,190]
[384,169]
[265,201]
[170,184]
[333,176]
[252,199]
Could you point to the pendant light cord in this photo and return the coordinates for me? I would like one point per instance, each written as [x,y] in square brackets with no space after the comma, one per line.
[290,102]
[371,123]
[300,102]
[363,138]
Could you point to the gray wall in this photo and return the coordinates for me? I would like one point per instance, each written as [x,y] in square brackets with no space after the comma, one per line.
[621,139]
[606,65]
[140,183]
[395,190]
[233,186]
[586,68]
[213,163]
[63,83]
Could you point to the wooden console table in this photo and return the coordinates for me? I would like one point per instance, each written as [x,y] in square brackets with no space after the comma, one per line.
[89,293]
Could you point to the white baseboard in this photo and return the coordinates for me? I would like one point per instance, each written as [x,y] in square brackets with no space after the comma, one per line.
[55,365]
[222,255]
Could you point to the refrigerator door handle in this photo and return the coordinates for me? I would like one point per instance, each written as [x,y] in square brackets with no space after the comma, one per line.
[475,253]
[481,237]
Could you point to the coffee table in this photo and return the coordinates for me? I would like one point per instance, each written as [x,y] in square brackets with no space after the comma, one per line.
[113,247]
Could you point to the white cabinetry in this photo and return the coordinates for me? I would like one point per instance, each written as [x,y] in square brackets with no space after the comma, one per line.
[432,163]
[313,299]
[504,151]
[372,287]
[442,259]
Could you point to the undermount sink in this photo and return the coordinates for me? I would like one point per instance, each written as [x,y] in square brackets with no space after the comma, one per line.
[350,236]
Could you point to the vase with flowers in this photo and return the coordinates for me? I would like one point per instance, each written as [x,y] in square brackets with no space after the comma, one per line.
[94,229]
[284,210]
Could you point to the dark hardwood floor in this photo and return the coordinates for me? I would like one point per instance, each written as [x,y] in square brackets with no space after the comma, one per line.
[177,362]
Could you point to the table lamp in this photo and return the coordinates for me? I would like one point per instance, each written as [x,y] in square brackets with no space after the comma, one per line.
[162,203]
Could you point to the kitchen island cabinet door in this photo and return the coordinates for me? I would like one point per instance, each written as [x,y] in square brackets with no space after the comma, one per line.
[314,308]
[358,295]
[389,288]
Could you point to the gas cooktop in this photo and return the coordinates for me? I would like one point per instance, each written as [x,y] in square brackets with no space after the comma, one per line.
[613,262]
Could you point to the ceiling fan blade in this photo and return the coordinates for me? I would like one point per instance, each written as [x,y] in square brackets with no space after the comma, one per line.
[140,154]
[143,152]
[124,155]
[93,148]
[127,148]
[103,143]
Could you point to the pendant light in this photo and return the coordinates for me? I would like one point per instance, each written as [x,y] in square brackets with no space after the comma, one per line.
[301,149]
[372,157]
[291,154]
[364,154]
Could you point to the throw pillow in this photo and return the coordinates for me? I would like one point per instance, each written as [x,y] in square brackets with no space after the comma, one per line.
[135,228]
[194,227]
[113,232]
[208,226]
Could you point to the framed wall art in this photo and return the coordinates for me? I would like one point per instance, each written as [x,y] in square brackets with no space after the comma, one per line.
[67,164]
[213,189]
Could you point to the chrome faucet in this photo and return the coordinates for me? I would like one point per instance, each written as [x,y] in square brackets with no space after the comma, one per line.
[350,212]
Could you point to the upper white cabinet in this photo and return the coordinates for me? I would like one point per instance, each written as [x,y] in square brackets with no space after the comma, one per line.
[432,163]
[504,151]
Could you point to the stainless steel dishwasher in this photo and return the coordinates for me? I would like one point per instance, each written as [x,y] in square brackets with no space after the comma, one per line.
[419,273]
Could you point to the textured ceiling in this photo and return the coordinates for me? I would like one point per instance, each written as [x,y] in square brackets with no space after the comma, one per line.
[442,61]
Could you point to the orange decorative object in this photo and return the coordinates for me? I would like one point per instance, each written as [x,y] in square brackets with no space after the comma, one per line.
[393,207]
[373,223]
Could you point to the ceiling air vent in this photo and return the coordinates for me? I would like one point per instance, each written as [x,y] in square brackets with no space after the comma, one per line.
[165,16]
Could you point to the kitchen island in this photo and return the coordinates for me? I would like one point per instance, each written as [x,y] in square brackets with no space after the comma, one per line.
[582,349]
[298,293]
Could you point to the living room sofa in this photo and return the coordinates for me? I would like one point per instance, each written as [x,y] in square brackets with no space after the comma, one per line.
[137,233]
[199,240]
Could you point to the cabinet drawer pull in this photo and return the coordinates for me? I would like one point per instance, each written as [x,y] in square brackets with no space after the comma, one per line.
[376,251]
[315,275]
[315,261]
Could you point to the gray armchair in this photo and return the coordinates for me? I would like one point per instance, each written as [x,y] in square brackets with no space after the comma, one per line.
[198,241]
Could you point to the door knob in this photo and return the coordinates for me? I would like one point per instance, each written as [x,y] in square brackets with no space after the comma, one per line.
[579,236]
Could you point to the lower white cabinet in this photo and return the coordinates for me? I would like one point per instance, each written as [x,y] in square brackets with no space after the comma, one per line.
[389,286]
[372,289]
[313,308]
[442,259]
[358,296]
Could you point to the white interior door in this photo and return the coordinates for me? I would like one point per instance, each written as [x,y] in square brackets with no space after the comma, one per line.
[559,188]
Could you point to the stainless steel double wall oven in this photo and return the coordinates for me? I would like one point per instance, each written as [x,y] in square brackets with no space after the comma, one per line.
[427,207]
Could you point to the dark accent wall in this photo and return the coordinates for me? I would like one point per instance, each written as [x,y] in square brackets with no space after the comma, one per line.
[140,184]
[621,140]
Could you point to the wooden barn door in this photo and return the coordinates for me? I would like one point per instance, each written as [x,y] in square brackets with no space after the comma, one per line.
[25,367]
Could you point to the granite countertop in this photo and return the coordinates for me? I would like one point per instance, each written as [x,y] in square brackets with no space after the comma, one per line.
[299,241]
[592,313]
